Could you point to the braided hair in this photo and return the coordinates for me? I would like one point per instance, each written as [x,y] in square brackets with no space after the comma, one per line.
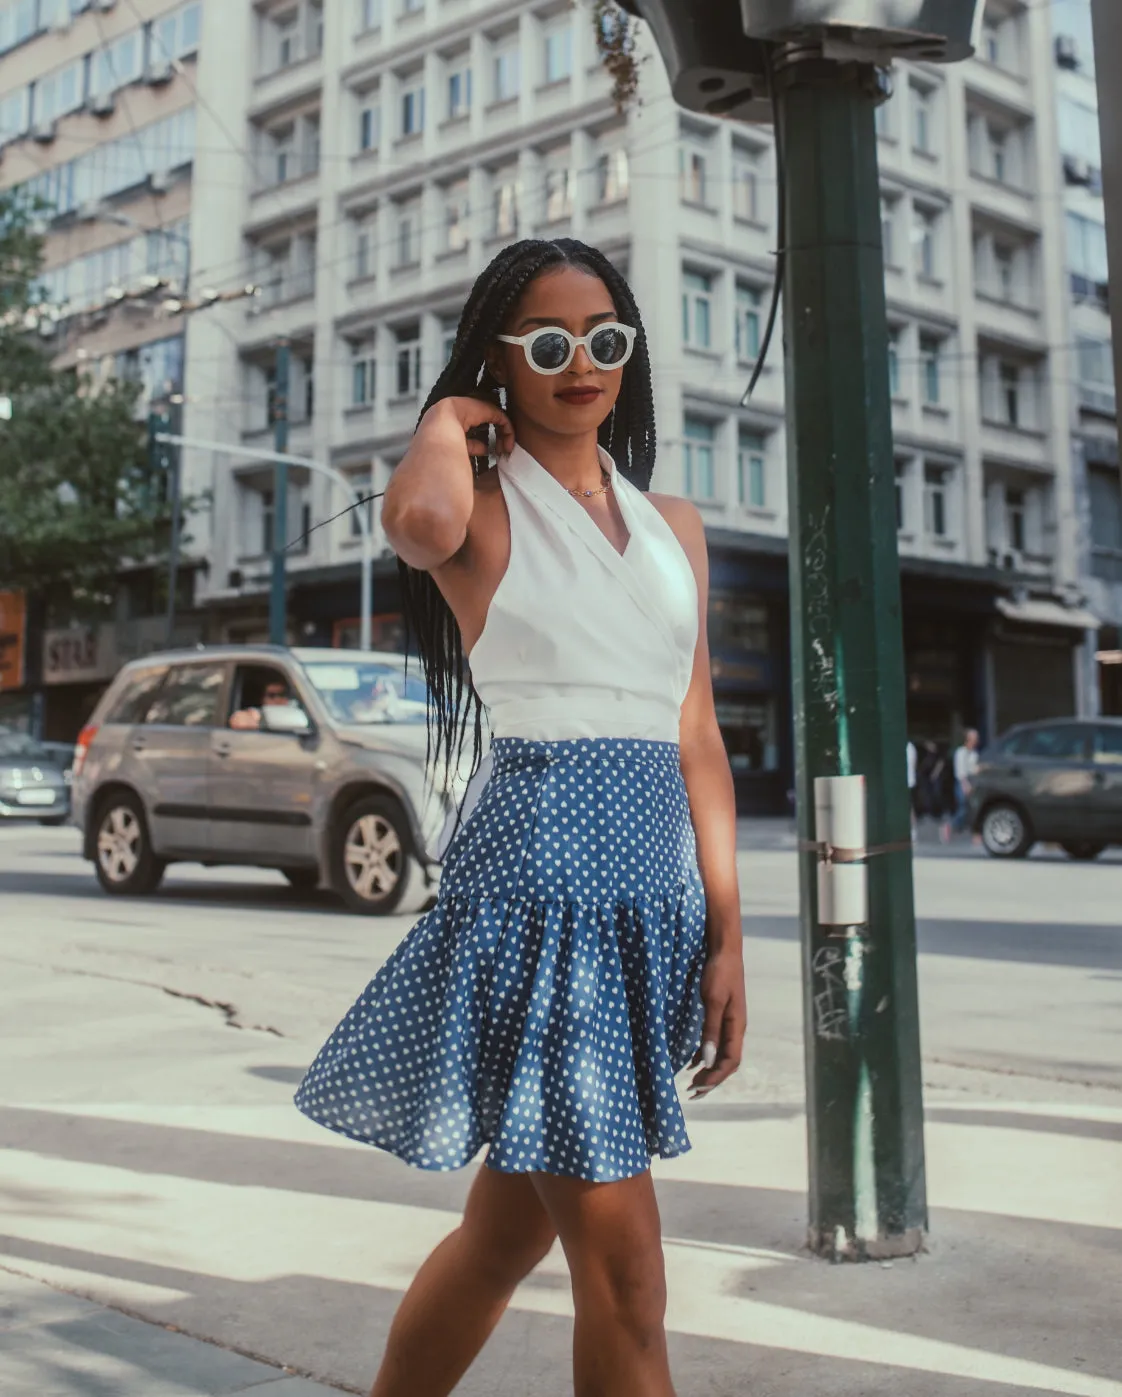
[628,434]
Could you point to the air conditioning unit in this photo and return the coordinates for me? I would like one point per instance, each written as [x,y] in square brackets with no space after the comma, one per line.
[1077,170]
[160,72]
[103,104]
[160,181]
[1067,51]
[43,132]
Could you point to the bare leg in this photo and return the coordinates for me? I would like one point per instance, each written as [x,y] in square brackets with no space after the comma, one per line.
[613,1243]
[460,1293]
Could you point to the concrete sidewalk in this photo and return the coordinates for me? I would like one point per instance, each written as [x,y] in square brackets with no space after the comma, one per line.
[53,1344]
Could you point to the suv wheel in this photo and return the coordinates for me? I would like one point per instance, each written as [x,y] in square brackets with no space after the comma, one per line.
[1083,850]
[372,866]
[124,860]
[1006,833]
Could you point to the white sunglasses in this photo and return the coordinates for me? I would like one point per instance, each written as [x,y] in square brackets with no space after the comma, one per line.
[551,349]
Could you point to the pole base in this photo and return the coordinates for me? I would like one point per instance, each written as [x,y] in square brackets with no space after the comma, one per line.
[839,1245]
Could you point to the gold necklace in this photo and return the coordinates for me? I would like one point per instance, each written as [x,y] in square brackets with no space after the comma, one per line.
[588,494]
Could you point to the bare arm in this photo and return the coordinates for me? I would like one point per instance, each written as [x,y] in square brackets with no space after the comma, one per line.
[712,798]
[429,500]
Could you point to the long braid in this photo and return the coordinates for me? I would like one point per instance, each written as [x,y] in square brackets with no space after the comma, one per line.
[628,435]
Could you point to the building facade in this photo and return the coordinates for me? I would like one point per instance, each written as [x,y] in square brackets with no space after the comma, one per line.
[97,124]
[1094,420]
[361,162]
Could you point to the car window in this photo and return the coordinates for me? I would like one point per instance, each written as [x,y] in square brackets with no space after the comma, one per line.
[17,746]
[1108,746]
[368,692]
[189,697]
[138,688]
[1065,742]
[256,687]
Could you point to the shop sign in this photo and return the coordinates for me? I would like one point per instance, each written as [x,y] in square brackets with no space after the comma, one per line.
[79,655]
[13,639]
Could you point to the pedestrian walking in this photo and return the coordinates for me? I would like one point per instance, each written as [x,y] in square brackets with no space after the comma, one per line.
[912,757]
[964,765]
[586,942]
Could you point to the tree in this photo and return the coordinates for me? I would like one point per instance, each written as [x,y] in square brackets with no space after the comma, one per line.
[76,496]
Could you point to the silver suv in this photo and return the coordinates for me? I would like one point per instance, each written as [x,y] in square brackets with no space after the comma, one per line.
[310,761]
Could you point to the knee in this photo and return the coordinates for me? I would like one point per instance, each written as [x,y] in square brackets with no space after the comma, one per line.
[509,1251]
[630,1286]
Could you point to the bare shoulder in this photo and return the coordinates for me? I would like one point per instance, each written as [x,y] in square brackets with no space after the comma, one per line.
[685,519]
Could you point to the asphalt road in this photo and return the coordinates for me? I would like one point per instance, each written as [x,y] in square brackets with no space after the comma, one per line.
[150,1157]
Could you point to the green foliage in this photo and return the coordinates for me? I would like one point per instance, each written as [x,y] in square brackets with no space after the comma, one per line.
[76,500]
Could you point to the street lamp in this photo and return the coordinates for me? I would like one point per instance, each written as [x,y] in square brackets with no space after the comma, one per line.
[104,213]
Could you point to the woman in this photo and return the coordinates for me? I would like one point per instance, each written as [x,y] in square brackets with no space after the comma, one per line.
[586,944]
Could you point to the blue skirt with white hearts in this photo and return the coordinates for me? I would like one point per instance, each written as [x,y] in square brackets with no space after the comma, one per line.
[545,1004]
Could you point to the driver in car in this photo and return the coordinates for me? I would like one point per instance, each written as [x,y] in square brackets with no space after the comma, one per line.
[276,695]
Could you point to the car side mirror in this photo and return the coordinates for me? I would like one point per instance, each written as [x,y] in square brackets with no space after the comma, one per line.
[288,717]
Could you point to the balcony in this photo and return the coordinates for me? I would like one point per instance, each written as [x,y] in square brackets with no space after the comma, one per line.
[1023,446]
[294,83]
[1005,319]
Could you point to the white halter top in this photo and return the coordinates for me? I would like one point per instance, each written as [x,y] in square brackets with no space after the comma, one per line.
[580,640]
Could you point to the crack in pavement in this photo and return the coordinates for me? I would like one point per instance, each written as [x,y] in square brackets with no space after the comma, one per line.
[229,1011]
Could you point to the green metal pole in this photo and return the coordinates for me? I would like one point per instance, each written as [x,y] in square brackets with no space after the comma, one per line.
[278,621]
[864,1084]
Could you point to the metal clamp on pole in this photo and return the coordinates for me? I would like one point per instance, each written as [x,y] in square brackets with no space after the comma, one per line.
[843,872]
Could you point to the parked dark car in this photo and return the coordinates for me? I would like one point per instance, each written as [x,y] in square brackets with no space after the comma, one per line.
[33,785]
[1056,782]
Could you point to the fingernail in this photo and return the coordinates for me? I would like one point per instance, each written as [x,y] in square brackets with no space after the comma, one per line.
[708,1055]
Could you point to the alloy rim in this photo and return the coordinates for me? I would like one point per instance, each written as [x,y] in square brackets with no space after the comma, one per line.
[118,844]
[1004,830]
[372,857]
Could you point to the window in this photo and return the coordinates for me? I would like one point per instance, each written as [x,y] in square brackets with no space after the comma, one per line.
[1080,133]
[1015,505]
[59,93]
[118,64]
[15,113]
[751,469]
[369,121]
[362,483]
[189,697]
[885,124]
[456,212]
[888,231]
[745,188]
[697,309]
[697,458]
[459,92]
[364,247]
[409,234]
[1108,746]
[1086,248]
[282,154]
[449,327]
[363,373]
[930,352]
[558,194]
[559,53]
[370,14]
[1105,491]
[924,236]
[507,71]
[1065,742]
[1005,271]
[923,119]
[991,43]
[135,696]
[412,110]
[691,175]
[902,473]
[310,132]
[747,323]
[612,176]
[1009,378]
[177,35]
[407,361]
[936,485]
[505,206]
[1096,364]
[997,150]
[894,335]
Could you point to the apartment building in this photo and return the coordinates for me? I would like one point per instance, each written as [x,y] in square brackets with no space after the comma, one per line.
[1094,420]
[365,160]
[97,123]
